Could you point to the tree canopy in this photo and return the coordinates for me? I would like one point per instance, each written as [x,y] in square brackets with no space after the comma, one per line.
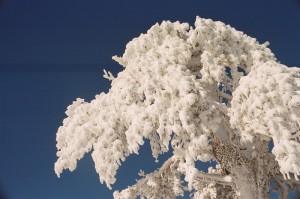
[207,92]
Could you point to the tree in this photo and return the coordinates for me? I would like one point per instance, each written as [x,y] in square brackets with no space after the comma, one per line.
[209,93]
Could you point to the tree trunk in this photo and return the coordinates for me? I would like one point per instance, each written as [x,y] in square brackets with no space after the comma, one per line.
[247,183]
[249,173]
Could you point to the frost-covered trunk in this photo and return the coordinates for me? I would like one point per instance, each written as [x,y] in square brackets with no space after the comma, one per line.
[247,166]
[245,183]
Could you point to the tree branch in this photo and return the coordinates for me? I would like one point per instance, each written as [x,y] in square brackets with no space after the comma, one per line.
[215,178]
[148,186]
[225,95]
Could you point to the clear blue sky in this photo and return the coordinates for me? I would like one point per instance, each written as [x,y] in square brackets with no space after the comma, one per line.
[53,51]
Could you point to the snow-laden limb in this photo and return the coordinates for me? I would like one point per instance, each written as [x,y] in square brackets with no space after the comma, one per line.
[162,183]
[108,75]
[76,137]
[166,182]
[217,46]
[208,192]
[214,184]
[267,103]
[81,132]
[215,178]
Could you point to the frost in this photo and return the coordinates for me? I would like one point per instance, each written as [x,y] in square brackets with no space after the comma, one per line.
[227,179]
[108,75]
[182,88]
[267,103]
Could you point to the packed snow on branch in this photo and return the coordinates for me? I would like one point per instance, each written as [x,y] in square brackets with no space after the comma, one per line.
[209,92]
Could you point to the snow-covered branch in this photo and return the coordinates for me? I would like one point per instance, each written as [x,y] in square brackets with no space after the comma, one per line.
[213,178]
[108,75]
[165,183]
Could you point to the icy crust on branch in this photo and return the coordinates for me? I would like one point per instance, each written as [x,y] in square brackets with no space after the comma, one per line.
[267,103]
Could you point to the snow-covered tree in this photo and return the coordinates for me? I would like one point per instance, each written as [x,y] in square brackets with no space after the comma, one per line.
[206,93]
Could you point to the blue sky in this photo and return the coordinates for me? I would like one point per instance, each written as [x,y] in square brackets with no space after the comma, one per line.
[53,51]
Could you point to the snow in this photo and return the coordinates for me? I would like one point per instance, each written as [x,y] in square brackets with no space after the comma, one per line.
[267,103]
[169,93]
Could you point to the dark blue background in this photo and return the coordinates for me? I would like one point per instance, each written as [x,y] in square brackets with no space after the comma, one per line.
[53,51]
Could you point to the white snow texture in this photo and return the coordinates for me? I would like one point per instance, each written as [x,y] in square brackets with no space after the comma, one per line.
[169,92]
